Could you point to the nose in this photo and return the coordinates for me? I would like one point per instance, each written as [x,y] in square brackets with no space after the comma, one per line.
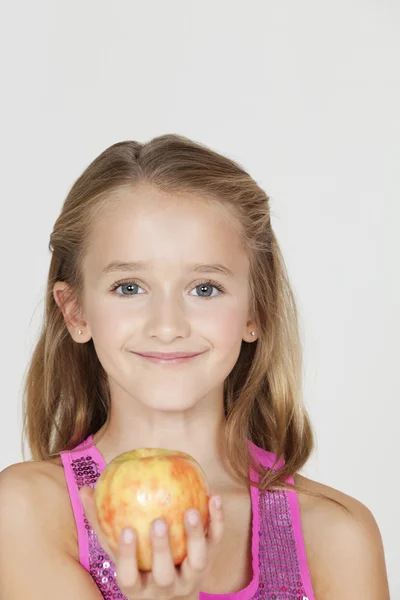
[167,318]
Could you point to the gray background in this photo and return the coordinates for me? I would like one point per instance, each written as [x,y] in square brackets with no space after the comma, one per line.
[306,96]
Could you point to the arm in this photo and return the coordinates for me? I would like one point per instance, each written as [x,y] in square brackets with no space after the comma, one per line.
[33,562]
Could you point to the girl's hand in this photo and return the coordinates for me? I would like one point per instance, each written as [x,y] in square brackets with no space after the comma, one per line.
[165,580]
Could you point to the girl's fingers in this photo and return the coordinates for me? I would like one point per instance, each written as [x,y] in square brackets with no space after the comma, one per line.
[163,568]
[199,545]
[196,543]
[128,575]
[216,524]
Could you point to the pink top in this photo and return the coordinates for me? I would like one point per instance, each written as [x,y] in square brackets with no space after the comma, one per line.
[280,570]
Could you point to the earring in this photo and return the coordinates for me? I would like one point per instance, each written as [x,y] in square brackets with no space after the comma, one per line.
[80,331]
[253,333]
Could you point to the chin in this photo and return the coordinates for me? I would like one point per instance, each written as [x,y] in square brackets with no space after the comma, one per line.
[172,405]
[167,402]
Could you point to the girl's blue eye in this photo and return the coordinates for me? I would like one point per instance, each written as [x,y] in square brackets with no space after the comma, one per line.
[126,286]
[202,286]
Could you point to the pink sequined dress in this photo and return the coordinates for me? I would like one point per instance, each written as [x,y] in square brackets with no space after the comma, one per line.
[280,570]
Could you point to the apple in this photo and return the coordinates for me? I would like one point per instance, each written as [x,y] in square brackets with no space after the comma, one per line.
[139,486]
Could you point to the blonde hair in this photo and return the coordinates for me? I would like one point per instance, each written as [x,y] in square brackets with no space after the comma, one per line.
[66,393]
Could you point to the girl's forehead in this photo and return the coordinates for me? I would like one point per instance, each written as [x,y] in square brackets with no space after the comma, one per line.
[164,230]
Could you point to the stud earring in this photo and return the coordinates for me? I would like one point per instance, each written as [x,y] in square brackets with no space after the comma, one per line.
[253,333]
[80,331]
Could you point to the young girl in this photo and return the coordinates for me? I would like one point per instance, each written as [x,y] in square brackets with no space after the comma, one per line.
[161,249]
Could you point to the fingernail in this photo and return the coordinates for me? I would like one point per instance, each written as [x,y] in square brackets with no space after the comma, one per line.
[127,536]
[193,517]
[159,528]
[217,502]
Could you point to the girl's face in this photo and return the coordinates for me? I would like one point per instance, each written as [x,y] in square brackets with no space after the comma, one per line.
[165,306]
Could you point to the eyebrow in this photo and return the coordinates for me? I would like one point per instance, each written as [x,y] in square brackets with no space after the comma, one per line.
[117,265]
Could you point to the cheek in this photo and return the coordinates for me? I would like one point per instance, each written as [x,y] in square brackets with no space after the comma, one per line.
[225,329]
[105,322]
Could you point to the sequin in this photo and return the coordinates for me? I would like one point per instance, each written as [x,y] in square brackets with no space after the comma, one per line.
[279,567]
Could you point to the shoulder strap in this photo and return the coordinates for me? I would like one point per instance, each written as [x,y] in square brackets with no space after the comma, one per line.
[83,466]
[80,469]
[283,566]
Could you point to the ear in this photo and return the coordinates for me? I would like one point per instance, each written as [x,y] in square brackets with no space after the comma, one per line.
[249,327]
[67,303]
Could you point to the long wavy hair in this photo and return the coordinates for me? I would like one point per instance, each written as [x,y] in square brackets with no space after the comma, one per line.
[66,396]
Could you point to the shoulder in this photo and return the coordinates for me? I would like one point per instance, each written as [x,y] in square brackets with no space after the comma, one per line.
[343,545]
[41,478]
[35,561]
[34,490]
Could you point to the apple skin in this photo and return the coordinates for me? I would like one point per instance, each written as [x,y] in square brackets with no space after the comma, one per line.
[139,486]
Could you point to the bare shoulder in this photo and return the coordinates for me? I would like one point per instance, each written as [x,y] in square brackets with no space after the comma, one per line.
[344,546]
[40,488]
[36,560]
[42,478]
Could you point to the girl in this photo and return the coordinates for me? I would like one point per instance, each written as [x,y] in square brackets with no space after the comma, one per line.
[164,248]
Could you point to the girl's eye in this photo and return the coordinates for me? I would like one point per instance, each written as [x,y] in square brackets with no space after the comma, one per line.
[132,286]
[208,285]
[128,285]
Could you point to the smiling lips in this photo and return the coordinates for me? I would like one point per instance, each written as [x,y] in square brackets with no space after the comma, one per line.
[168,357]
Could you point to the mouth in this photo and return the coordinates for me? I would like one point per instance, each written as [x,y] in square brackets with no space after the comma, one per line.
[168,358]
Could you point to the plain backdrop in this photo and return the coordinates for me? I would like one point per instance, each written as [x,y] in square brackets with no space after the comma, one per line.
[305,95]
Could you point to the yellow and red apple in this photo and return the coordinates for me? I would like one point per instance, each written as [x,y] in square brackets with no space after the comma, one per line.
[145,484]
